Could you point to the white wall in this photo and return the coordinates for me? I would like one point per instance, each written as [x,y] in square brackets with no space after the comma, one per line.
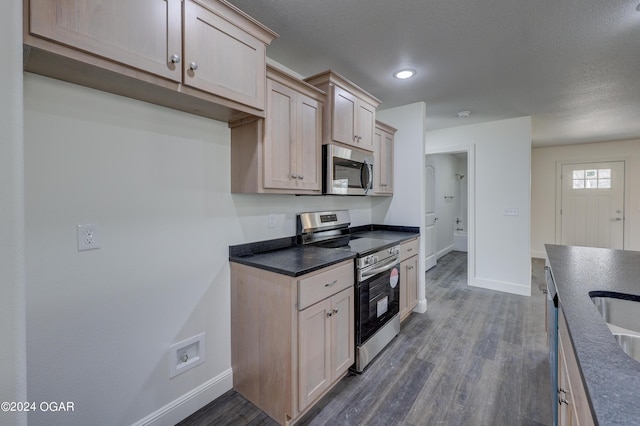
[501,179]
[544,192]
[406,207]
[13,386]
[100,322]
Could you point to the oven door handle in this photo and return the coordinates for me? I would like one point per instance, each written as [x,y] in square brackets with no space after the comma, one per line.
[389,264]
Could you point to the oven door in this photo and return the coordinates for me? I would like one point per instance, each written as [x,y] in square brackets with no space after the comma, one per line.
[347,171]
[377,298]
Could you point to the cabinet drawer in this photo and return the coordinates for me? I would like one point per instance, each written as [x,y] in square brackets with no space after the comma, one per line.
[409,248]
[325,283]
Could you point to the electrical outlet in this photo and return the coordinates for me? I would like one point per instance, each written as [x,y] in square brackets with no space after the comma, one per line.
[88,237]
[510,211]
[271,222]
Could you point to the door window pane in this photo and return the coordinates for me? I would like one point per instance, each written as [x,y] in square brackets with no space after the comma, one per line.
[591,179]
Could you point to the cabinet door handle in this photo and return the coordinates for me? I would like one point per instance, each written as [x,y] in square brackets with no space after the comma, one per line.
[301,177]
[410,249]
[294,176]
[175,58]
[335,311]
[332,283]
[193,66]
[329,314]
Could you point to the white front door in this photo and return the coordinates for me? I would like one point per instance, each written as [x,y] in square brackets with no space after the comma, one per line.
[593,205]
[430,219]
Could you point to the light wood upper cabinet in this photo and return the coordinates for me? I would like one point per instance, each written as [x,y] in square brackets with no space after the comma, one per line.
[220,57]
[383,159]
[201,56]
[349,116]
[144,34]
[282,153]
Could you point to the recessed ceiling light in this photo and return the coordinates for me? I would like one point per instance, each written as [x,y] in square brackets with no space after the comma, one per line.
[404,74]
[464,114]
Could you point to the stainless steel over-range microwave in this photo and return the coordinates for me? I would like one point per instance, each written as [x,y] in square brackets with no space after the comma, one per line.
[346,171]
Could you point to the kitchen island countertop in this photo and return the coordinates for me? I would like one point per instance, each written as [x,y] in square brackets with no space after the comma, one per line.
[611,378]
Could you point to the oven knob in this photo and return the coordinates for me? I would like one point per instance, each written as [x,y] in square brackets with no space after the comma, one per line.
[375,259]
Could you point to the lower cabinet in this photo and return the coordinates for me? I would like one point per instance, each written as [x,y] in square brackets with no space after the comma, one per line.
[573,406]
[292,338]
[408,277]
[326,341]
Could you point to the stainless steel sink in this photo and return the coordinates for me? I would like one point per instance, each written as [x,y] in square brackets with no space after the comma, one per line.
[630,344]
[619,312]
[623,319]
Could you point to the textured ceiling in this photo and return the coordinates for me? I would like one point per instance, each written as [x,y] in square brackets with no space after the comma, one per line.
[573,65]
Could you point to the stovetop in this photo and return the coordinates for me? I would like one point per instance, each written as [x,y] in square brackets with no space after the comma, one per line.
[360,246]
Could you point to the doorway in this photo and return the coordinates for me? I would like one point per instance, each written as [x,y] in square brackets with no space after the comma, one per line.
[592,204]
[450,205]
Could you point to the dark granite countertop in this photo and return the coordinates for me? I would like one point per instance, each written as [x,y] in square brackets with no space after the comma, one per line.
[611,378]
[397,234]
[295,260]
[284,256]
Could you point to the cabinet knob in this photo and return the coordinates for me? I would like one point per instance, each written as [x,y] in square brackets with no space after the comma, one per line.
[335,311]
[329,314]
[193,66]
[294,176]
[301,177]
[175,58]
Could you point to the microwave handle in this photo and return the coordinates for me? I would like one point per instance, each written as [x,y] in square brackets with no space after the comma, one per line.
[369,169]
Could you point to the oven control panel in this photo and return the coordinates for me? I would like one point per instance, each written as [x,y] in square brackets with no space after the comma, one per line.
[371,260]
[381,256]
[394,250]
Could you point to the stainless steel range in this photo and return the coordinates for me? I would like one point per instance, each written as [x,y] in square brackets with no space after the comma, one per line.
[377,269]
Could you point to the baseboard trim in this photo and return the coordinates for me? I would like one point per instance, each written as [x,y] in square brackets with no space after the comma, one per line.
[190,402]
[538,254]
[505,287]
[444,251]
[421,307]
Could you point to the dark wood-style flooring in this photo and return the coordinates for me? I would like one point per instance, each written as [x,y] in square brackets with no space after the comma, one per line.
[476,357]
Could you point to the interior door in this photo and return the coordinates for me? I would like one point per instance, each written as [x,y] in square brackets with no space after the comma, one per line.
[430,218]
[592,212]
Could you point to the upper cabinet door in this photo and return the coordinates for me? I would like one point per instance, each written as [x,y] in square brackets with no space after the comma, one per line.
[343,117]
[366,123]
[309,143]
[280,133]
[145,34]
[222,58]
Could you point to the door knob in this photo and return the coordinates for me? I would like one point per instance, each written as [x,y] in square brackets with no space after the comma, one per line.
[616,219]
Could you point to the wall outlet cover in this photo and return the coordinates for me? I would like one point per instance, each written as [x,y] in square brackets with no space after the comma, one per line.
[186,354]
[88,237]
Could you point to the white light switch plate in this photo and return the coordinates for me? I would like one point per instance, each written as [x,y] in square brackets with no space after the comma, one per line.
[510,211]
